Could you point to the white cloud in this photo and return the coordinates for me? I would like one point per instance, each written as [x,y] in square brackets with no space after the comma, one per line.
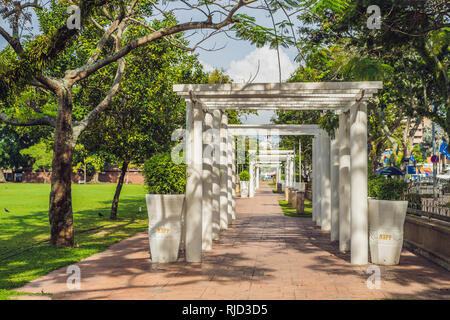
[206,67]
[245,69]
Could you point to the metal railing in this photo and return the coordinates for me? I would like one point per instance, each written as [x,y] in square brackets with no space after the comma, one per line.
[425,205]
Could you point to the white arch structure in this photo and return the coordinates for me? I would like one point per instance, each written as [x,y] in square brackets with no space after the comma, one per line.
[339,167]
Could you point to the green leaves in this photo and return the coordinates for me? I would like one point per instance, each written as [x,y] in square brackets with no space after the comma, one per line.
[162,176]
[42,154]
[336,6]
[246,28]
[382,188]
[244,176]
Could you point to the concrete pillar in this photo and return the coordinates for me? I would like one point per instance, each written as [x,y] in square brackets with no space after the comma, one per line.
[326,183]
[229,178]
[286,173]
[257,177]
[251,187]
[207,209]
[278,175]
[334,162]
[313,179]
[233,179]
[217,116]
[299,161]
[223,172]
[344,182]
[293,170]
[319,180]
[358,184]
[194,185]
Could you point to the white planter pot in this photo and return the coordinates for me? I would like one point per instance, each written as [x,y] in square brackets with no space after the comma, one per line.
[244,189]
[386,221]
[165,212]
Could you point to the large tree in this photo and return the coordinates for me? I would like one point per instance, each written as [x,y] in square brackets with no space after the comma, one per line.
[145,111]
[55,69]
[413,38]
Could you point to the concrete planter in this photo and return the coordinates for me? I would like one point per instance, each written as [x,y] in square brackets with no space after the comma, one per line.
[386,221]
[293,198]
[165,214]
[300,207]
[243,188]
[279,188]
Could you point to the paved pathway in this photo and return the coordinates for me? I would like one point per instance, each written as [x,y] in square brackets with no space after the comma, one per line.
[263,255]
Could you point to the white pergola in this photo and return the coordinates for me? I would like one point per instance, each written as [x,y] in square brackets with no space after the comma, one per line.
[339,185]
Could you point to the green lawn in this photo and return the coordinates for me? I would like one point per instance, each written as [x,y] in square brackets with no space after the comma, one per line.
[291,212]
[24,254]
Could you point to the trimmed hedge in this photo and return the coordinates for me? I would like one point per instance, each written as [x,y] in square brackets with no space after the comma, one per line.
[244,176]
[382,188]
[162,176]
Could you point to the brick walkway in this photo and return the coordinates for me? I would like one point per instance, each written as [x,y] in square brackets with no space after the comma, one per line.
[264,255]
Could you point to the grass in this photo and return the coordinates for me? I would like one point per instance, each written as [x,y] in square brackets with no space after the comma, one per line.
[291,212]
[274,185]
[24,253]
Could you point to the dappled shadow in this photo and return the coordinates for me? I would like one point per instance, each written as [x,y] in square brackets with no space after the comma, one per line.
[26,253]
[258,252]
[127,268]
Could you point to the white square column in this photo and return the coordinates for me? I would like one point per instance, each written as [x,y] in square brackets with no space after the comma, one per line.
[194,184]
[217,117]
[207,205]
[251,184]
[358,185]
[233,179]
[299,160]
[334,162]
[223,171]
[293,171]
[257,177]
[318,177]
[326,184]
[313,179]
[286,174]
[344,182]
[229,178]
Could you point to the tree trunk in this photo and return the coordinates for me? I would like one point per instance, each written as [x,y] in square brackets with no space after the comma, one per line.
[374,160]
[95,177]
[2,176]
[115,203]
[60,209]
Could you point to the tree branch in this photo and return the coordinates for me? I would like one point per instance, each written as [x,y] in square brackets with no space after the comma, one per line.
[14,43]
[44,121]
[85,71]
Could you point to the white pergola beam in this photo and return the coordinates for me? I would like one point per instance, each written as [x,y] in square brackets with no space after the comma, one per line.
[230,88]
[273,130]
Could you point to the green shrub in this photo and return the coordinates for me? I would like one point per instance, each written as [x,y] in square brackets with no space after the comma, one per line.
[244,176]
[382,188]
[162,176]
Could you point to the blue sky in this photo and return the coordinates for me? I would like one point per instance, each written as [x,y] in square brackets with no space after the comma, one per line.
[237,58]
